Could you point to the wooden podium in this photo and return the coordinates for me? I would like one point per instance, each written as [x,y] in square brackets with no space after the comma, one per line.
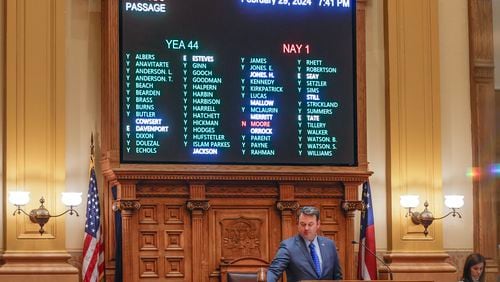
[363,280]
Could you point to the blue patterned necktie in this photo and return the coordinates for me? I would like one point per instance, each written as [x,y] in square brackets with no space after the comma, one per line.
[315,259]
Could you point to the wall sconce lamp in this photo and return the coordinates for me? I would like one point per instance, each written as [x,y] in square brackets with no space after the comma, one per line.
[41,215]
[425,217]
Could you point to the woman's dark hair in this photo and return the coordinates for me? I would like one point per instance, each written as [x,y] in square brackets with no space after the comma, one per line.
[472,260]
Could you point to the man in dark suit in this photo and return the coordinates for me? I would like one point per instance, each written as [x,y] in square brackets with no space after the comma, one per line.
[306,256]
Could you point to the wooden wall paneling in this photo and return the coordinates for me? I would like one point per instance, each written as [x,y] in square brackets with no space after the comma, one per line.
[178,243]
[482,96]
[150,239]
[332,226]
[164,233]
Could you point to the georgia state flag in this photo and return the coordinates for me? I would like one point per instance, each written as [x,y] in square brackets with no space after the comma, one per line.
[367,264]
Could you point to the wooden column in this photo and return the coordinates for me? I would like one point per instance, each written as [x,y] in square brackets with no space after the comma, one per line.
[350,205]
[483,124]
[288,207]
[110,102]
[129,205]
[198,206]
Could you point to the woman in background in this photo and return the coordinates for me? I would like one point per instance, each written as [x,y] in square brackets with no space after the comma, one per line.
[474,268]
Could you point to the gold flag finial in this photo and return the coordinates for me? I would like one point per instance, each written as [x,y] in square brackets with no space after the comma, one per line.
[92,145]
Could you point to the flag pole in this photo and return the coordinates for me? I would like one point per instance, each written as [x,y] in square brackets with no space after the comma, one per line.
[93,246]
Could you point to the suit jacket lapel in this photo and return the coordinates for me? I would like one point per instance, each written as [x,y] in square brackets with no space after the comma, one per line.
[302,246]
[324,255]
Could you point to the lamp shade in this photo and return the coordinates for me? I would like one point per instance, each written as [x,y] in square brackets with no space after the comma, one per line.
[71,198]
[409,201]
[454,201]
[19,198]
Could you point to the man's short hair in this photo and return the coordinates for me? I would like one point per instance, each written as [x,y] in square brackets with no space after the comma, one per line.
[308,210]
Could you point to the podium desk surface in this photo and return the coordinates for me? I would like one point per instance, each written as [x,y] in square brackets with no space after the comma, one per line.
[363,280]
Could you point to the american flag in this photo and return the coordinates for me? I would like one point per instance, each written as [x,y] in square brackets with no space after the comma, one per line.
[367,264]
[93,248]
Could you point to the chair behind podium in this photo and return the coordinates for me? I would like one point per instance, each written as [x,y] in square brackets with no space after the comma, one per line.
[244,269]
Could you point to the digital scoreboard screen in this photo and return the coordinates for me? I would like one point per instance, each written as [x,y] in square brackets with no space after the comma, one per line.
[238,82]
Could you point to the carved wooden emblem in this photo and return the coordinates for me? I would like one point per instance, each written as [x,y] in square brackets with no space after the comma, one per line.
[131,205]
[198,205]
[350,206]
[241,237]
[287,205]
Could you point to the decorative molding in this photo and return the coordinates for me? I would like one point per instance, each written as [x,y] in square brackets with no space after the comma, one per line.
[130,205]
[248,190]
[28,265]
[164,190]
[315,192]
[483,71]
[246,174]
[287,205]
[193,205]
[76,259]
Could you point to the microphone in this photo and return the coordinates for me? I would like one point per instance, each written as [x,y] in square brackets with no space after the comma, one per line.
[379,259]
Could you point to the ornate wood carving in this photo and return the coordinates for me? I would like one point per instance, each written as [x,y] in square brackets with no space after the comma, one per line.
[351,206]
[131,205]
[241,237]
[240,230]
[287,205]
[194,205]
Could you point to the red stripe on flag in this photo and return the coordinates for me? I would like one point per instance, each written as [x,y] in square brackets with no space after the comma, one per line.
[370,260]
[92,265]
